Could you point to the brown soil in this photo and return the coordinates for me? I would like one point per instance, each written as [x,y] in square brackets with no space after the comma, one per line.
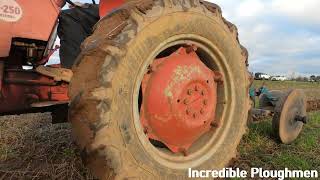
[32,148]
[313,105]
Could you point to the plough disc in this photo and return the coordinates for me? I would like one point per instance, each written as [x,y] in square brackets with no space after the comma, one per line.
[289,116]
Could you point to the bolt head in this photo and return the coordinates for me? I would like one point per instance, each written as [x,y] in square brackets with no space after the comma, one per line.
[145,130]
[184,152]
[214,124]
[202,93]
[194,115]
[205,102]
[186,101]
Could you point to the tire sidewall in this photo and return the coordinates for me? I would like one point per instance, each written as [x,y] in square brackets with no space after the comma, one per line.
[134,63]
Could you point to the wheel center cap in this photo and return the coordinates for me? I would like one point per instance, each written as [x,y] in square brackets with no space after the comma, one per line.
[179,100]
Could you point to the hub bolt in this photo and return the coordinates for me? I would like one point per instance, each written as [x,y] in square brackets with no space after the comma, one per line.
[214,124]
[202,93]
[205,102]
[201,111]
[218,78]
[194,115]
[189,92]
[186,101]
[187,111]
[184,152]
[145,130]
[150,70]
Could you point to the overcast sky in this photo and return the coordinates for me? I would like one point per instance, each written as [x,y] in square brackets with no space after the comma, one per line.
[282,36]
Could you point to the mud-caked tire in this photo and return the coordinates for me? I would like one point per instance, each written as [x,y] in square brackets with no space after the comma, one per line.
[108,72]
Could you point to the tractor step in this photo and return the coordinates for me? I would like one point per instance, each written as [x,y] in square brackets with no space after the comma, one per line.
[48,103]
[59,74]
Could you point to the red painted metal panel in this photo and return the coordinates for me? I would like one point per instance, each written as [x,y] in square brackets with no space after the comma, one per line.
[179,100]
[107,6]
[21,88]
[31,19]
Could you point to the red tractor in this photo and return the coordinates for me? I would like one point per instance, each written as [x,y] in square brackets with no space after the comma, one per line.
[153,87]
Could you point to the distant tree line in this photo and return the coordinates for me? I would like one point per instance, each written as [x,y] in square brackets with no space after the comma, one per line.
[312,78]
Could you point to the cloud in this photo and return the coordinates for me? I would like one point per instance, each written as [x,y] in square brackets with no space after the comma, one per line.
[306,11]
[282,36]
[249,8]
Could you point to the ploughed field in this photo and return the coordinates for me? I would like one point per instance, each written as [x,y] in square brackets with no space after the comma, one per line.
[32,148]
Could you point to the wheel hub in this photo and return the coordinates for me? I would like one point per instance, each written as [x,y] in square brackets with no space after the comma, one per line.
[179,99]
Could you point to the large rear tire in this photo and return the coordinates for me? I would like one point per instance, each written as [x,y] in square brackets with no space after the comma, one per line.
[107,76]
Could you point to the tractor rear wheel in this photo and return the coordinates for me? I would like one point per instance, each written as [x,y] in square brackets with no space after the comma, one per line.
[112,101]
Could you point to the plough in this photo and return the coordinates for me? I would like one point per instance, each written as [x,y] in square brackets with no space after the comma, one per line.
[288,109]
